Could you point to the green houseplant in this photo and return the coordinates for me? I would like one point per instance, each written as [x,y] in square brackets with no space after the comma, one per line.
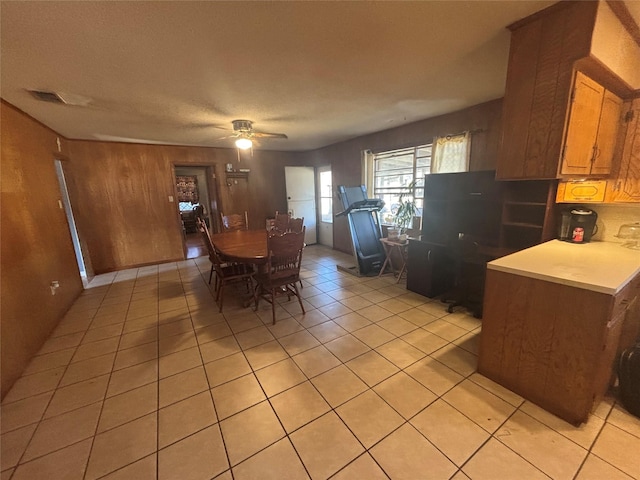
[403,218]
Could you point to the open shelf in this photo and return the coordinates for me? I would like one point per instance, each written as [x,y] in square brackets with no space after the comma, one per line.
[521,225]
[532,204]
[527,213]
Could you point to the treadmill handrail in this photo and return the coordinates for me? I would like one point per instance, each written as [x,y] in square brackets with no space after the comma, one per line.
[370,204]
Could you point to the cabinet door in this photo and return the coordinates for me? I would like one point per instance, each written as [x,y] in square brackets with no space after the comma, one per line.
[627,187]
[631,327]
[607,133]
[429,270]
[539,78]
[582,130]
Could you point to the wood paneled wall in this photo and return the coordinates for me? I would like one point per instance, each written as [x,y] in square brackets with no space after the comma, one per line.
[36,246]
[345,157]
[122,195]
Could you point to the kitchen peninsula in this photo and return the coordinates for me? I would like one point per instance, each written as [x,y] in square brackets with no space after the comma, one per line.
[555,317]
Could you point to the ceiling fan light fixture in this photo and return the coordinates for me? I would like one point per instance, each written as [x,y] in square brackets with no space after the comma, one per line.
[244,143]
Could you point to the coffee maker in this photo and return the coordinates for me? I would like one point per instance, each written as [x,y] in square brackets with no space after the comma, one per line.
[578,225]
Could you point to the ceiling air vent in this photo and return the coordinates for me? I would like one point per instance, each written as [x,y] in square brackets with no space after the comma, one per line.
[50,97]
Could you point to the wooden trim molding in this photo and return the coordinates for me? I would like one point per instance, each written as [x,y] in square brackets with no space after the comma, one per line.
[543,13]
[620,10]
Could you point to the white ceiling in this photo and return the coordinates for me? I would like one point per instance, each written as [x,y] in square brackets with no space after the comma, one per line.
[170,72]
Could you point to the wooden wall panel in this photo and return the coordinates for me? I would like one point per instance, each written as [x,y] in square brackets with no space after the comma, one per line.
[36,244]
[345,157]
[122,194]
[520,84]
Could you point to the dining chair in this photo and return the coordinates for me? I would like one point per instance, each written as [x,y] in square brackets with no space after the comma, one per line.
[234,221]
[296,225]
[225,273]
[281,222]
[282,270]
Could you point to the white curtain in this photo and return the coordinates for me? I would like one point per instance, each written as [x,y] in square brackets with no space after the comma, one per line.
[367,170]
[451,153]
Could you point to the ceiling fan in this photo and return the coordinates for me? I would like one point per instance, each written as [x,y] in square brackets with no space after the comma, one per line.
[244,134]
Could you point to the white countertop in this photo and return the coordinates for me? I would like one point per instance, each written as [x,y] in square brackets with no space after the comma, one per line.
[604,267]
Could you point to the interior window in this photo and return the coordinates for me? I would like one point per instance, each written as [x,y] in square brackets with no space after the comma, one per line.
[394,171]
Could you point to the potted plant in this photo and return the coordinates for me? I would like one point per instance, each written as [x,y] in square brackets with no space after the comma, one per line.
[407,209]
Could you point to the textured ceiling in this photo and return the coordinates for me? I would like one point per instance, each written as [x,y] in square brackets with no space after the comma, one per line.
[320,72]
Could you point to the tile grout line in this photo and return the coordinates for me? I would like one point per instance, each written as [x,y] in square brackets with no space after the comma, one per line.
[104,398]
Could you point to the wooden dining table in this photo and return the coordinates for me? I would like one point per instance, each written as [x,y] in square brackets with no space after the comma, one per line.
[244,246]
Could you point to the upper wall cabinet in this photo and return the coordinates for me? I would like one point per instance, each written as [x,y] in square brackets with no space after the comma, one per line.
[539,114]
[591,130]
[626,187]
[540,74]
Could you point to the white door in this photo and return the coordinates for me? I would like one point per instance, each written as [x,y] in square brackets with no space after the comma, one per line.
[301,198]
[325,200]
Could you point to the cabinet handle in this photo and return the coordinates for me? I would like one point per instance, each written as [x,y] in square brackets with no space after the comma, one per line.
[429,256]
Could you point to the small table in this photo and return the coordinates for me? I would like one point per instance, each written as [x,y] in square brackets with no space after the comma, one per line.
[389,247]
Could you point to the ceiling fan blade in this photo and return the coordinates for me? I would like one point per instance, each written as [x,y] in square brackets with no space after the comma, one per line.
[225,137]
[268,135]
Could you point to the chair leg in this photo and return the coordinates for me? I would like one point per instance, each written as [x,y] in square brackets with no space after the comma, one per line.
[210,274]
[257,292]
[273,305]
[220,298]
[295,287]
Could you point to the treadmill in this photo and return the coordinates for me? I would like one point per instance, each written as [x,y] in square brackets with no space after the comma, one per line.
[364,226]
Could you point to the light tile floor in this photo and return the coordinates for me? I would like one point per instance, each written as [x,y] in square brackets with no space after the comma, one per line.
[144,379]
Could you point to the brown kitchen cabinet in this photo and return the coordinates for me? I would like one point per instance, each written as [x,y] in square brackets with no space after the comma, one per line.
[540,74]
[626,186]
[592,129]
[556,345]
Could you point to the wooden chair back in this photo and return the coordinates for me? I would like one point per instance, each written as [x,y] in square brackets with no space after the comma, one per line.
[296,225]
[234,221]
[285,256]
[281,223]
[206,236]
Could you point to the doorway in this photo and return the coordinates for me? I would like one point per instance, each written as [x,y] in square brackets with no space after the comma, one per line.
[325,200]
[66,204]
[301,198]
[194,190]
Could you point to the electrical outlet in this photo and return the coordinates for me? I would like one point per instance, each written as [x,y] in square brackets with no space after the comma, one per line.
[170,198]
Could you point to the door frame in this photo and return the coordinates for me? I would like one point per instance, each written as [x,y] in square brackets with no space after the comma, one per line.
[212,193]
[314,198]
[83,258]
[319,170]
